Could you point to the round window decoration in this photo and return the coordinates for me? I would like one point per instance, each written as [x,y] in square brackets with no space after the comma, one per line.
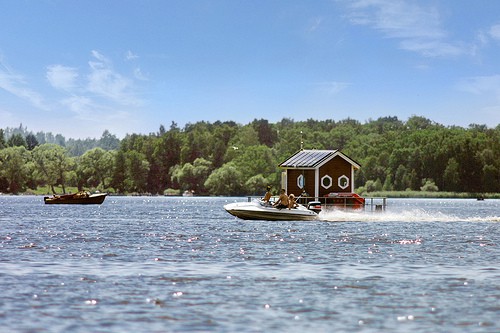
[301,181]
[326,181]
[343,182]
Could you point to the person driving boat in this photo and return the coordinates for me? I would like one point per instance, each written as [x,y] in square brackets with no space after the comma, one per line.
[267,196]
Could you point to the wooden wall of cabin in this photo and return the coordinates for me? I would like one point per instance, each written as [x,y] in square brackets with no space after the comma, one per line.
[335,168]
[291,181]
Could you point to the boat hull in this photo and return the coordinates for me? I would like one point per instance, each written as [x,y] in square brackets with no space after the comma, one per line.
[93,199]
[258,211]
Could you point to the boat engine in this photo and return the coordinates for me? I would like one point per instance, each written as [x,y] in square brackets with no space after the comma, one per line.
[315,206]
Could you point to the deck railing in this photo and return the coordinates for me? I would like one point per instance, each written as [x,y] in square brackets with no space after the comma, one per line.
[347,202]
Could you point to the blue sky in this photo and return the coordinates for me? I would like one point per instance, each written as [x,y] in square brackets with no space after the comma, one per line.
[81,67]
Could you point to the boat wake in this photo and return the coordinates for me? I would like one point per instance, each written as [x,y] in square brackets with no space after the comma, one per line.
[413,215]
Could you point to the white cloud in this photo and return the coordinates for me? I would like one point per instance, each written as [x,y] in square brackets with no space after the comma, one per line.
[315,24]
[432,48]
[16,85]
[481,85]
[419,28]
[62,77]
[484,37]
[99,56]
[93,118]
[80,105]
[7,117]
[96,98]
[139,75]
[99,114]
[487,90]
[131,56]
[104,81]
[495,32]
[333,87]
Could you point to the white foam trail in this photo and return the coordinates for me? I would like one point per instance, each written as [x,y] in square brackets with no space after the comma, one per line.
[412,215]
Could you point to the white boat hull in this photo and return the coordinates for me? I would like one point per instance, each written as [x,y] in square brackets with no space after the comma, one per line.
[255,210]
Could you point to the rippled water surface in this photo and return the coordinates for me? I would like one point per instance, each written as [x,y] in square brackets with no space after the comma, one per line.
[158,264]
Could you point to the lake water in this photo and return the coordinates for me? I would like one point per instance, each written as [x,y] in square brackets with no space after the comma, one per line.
[161,264]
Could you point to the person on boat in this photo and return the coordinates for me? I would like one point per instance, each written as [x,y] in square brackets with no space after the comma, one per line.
[282,201]
[292,203]
[267,196]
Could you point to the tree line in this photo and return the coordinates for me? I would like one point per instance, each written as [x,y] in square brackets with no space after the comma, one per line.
[226,158]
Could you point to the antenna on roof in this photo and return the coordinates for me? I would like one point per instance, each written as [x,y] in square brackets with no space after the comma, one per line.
[301,142]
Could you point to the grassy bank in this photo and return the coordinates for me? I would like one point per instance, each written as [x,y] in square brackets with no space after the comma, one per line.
[45,190]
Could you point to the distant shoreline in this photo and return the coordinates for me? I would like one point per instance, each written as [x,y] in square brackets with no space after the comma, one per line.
[381,194]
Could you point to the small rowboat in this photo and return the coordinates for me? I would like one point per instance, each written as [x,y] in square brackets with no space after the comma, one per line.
[80,198]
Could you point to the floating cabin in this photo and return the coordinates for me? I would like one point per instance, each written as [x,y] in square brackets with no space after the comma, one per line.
[321,175]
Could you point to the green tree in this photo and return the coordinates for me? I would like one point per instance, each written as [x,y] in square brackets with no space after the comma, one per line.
[52,165]
[470,170]
[385,124]
[118,178]
[165,154]
[197,142]
[96,167]
[16,140]
[491,179]
[429,186]
[388,185]
[401,182]
[256,185]
[226,180]
[109,141]
[345,131]
[418,123]
[31,141]
[452,175]
[246,137]
[14,168]
[137,168]
[265,132]
[3,144]
[255,160]
[60,140]
[222,135]
[193,176]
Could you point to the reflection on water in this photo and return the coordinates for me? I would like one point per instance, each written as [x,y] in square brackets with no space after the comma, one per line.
[183,264]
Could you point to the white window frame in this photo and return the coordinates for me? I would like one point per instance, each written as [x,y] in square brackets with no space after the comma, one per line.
[346,185]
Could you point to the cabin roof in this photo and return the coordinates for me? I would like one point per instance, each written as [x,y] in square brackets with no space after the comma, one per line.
[313,158]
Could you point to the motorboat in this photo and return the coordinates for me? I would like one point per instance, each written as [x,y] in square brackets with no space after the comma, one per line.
[260,210]
[80,198]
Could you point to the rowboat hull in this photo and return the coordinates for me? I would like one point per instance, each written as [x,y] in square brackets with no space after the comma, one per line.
[75,199]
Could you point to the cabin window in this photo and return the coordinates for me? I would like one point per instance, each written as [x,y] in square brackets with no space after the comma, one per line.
[343,182]
[326,181]
[301,181]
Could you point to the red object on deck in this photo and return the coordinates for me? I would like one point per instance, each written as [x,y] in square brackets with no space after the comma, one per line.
[346,200]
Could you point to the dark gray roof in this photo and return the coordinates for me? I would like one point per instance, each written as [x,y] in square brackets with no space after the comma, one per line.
[307,158]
